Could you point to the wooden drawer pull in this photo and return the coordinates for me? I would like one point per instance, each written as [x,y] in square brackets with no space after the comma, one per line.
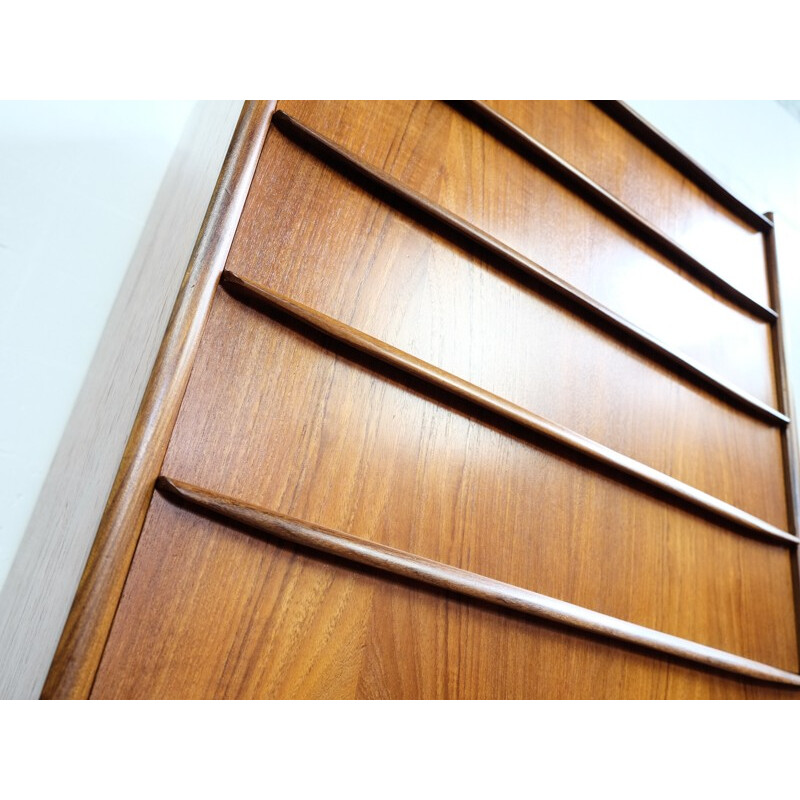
[505,130]
[470,584]
[493,249]
[453,385]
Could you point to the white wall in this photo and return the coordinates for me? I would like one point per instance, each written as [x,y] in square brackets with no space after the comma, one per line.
[100,206]
[78,181]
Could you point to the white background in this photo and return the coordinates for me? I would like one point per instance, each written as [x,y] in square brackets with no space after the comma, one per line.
[78,181]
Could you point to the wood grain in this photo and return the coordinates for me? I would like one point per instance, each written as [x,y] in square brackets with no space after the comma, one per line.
[670,152]
[461,389]
[469,584]
[574,179]
[75,663]
[492,248]
[312,627]
[330,245]
[789,441]
[433,150]
[296,421]
[314,432]
[636,174]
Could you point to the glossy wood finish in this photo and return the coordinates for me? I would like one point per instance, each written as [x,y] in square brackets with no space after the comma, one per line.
[469,584]
[81,646]
[310,432]
[646,133]
[228,615]
[594,143]
[376,270]
[491,248]
[292,419]
[38,591]
[782,381]
[583,185]
[789,441]
[455,164]
[509,411]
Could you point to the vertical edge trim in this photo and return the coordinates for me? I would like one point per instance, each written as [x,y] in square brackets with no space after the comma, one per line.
[83,640]
[788,434]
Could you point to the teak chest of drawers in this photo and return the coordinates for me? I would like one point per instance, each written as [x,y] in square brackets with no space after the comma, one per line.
[458,400]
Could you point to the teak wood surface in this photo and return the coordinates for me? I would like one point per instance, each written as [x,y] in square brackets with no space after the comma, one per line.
[83,640]
[652,138]
[402,564]
[606,202]
[289,419]
[507,412]
[552,227]
[632,171]
[498,253]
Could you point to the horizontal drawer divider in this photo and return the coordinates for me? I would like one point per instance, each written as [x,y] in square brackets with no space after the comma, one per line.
[470,584]
[505,130]
[591,310]
[452,385]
